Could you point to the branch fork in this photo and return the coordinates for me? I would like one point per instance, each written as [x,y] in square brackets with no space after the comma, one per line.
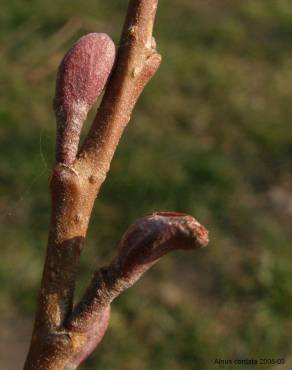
[65,334]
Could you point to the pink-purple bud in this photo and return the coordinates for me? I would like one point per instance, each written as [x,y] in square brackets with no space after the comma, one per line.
[151,237]
[82,76]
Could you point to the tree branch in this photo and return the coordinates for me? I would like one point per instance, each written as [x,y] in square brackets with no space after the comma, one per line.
[144,243]
[62,338]
[137,62]
[74,187]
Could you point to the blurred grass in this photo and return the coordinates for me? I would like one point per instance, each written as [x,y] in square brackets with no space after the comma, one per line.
[211,136]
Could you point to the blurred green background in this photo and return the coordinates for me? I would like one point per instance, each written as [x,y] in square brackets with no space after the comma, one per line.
[210,136]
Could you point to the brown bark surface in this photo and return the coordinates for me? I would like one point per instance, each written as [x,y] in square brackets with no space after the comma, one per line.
[64,335]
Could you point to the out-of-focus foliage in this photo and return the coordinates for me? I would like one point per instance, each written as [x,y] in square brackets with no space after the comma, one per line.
[211,136]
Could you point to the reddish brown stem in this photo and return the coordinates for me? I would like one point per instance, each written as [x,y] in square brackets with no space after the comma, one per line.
[145,242]
[74,188]
[64,337]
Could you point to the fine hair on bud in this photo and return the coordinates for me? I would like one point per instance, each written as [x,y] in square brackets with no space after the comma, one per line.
[82,76]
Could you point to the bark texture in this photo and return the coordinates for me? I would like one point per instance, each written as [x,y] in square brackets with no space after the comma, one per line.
[64,335]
